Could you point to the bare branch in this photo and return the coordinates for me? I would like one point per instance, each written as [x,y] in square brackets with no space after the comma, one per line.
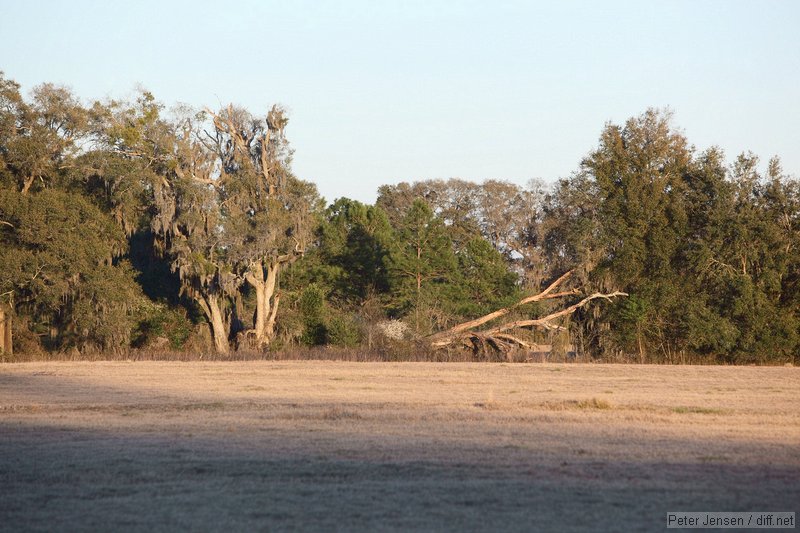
[546,294]
[499,332]
[545,322]
[513,339]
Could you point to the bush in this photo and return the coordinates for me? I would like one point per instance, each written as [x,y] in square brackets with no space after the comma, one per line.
[344,331]
[162,322]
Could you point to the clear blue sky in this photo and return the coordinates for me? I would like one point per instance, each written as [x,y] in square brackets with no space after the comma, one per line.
[381,92]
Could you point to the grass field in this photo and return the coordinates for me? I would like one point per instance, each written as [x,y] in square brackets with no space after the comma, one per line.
[327,446]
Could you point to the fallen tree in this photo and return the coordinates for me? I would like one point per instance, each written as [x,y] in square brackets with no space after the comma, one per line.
[504,337]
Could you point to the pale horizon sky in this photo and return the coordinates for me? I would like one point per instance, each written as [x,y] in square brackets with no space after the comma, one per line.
[383,92]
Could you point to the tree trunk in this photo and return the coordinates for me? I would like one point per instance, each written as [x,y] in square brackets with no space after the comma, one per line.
[6,341]
[419,291]
[264,281]
[219,331]
[26,185]
[639,340]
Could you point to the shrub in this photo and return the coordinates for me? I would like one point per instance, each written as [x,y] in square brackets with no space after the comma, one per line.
[162,322]
[344,331]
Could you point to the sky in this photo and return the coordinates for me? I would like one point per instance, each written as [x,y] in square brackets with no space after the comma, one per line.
[380,92]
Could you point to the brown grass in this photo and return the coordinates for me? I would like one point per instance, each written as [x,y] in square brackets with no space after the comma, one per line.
[411,351]
[327,445]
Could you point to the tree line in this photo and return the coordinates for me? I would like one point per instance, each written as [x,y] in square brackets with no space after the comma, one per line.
[124,226]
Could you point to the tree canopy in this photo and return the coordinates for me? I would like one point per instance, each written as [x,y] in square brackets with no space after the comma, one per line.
[124,226]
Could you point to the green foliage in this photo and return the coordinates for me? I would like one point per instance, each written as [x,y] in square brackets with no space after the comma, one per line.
[353,246]
[323,324]
[632,317]
[59,254]
[437,279]
[343,330]
[485,281]
[120,227]
[422,260]
[707,253]
[160,321]
[312,309]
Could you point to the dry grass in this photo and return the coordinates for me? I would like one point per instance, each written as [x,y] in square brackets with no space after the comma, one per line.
[326,445]
[410,351]
[591,403]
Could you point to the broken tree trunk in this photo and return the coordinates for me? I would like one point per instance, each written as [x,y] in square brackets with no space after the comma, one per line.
[469,325]
[500,337]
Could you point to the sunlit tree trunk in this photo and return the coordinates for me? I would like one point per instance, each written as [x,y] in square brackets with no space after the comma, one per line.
[6,341]
[219,330]
[264,280]
[28,182]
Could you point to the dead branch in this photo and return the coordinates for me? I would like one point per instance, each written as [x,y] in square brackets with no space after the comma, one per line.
[498,336]
[515,340]
[546,294]
[546,321]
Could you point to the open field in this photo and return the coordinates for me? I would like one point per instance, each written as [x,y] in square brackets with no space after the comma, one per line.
[328,446]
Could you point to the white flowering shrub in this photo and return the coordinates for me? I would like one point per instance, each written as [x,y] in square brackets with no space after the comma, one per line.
[393,329]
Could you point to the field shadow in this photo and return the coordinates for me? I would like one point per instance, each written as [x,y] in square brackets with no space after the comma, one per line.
[65,475]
